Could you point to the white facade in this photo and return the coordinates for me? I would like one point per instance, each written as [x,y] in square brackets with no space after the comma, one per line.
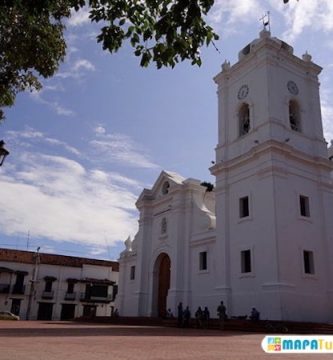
[263,237]
[56,287]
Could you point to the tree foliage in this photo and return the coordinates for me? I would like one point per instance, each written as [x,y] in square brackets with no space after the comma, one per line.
[32,43]
[162,31]
[209,186]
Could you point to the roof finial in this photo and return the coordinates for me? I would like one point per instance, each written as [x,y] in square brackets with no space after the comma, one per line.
[266,21]
[307,57]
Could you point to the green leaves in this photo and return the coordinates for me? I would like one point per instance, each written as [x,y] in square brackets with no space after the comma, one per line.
[145,59]
[135,39]
[32,43]
[161,31]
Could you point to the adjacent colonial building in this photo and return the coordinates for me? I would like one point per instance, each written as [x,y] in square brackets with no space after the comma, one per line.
[56,287]
[264,236]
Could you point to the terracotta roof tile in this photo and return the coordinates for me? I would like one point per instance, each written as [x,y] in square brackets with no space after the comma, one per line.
[27,257]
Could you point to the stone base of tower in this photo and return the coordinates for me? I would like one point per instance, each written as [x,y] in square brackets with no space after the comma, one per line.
[287,305]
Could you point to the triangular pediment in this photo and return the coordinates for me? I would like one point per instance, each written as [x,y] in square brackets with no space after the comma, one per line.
[164,183]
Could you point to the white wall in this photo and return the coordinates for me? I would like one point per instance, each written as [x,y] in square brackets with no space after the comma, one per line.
[273,165]
[59,287]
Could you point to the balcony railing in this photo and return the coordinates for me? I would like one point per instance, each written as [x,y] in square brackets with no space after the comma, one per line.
[48,294]
[18,289]
[70,296]
[93,298]
[101,298]
[4,288]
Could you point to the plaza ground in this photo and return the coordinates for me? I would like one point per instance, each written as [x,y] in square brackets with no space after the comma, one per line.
[34,340]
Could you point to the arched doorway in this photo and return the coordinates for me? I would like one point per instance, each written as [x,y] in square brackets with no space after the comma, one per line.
[161,284]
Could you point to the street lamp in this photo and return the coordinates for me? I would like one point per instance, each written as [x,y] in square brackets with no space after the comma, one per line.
[3,152]
[33,281]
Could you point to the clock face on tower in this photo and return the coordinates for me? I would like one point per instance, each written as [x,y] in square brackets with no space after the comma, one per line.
[292,87]
[242,92]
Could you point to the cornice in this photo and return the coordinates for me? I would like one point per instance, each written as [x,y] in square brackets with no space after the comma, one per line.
[269,146]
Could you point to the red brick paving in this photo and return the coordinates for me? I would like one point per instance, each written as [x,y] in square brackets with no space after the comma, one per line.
[35,340]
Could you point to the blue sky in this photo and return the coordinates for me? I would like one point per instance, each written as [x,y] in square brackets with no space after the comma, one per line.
[102,129]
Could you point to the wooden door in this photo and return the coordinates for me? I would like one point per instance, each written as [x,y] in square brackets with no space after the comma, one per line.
[163,285]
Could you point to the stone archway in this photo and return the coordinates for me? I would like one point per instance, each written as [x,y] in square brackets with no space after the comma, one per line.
[161,284]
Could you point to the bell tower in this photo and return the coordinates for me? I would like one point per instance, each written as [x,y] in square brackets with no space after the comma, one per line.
[274,194]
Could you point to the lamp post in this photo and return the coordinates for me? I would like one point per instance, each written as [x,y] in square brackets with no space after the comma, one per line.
[33,282]
[3,152]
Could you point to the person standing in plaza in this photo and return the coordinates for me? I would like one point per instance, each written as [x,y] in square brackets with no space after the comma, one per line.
[222,314]
[180,314]
[206,316]
[199,318]
[187,317]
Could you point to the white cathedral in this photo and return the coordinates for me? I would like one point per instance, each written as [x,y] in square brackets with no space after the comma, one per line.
[263,237]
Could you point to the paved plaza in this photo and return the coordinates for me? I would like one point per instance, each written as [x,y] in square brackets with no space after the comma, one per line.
[34,340]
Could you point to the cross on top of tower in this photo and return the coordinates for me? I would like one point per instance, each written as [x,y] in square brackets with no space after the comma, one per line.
[266,21]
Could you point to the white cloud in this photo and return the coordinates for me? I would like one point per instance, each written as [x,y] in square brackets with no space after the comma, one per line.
[121,149]
[327,113]
[77,69]
[72,45]
[59,199]
[79,18]
[31,136]
[27,133]
[125,180]
[232,14]
[83,64]
[116,178]
[59,109]
[92,35]
[54,87]
[100,130]
[315,15]
[54,105]
[69,148]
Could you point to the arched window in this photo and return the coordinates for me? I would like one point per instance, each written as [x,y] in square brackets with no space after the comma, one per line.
[244,119]
[294,116]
